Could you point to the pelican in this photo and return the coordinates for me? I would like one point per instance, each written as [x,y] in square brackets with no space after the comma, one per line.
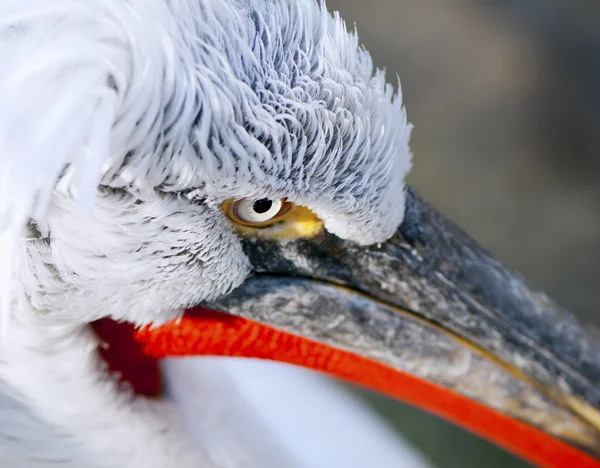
[227,177]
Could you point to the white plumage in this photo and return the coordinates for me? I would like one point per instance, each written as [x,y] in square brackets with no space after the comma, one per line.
[123,125]
[274,415]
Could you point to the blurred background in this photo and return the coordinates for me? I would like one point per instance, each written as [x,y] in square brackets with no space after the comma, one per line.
[505,99]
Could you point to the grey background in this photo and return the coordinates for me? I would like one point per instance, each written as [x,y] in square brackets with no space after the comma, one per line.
[505,99]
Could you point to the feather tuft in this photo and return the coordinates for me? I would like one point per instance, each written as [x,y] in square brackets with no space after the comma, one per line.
[66,103]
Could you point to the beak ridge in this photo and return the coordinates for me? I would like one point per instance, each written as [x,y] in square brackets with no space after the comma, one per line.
[432,303]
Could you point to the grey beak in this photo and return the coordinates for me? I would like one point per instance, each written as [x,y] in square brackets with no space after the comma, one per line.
[432,303]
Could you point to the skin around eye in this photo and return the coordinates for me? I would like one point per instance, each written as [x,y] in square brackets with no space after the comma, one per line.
[283,220]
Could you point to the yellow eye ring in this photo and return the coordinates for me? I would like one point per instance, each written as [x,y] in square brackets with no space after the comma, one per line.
[258,213]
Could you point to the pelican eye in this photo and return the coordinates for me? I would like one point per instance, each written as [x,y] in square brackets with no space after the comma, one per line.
[271,218]
[258,212]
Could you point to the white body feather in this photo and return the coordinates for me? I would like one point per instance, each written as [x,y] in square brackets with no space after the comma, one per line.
[268,415]
[123,125]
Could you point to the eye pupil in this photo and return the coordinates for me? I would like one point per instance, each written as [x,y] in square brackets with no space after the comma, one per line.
[262,206]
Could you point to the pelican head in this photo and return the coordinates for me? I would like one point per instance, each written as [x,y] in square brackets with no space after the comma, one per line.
[245,157]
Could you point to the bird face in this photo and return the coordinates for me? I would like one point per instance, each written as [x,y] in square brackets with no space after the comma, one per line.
[128,129]
[245,157]
[275,110]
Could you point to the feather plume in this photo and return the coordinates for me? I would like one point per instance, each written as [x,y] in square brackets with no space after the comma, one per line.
[66,103]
